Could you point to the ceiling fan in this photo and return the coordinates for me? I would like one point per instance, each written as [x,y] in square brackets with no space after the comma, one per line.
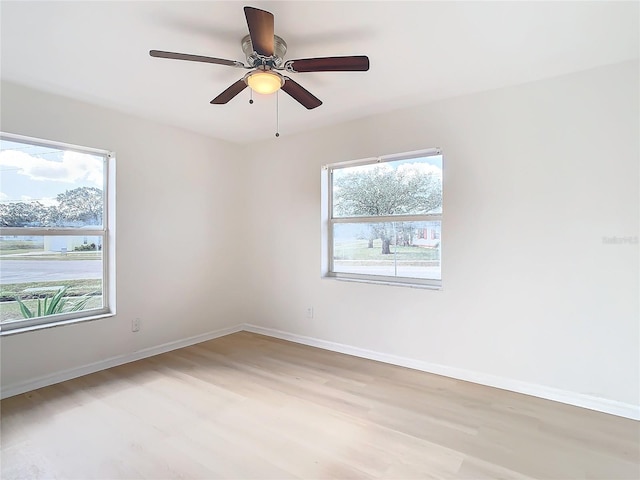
[265,57]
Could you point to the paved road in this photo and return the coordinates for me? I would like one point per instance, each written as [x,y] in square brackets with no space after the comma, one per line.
[21,271]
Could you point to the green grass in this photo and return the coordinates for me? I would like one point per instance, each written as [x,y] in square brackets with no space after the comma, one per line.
[10,309]
[16,249]
[8,247]
[69,256]
[8,292]
[358,251]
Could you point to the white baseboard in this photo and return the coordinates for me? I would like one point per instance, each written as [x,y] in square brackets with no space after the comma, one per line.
[571,398]
[61,376]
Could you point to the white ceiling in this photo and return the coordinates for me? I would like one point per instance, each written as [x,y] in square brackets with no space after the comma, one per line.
[419,52]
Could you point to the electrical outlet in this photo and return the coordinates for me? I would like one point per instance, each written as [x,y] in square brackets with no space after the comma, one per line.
[309,312]
[135,325]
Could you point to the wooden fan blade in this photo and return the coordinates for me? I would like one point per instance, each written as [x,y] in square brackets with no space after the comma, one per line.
[195,58]
[260,23]
[300,94]
[358,63]
[229,93]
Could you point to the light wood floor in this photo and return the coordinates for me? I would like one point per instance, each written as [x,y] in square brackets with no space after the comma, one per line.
[249,406]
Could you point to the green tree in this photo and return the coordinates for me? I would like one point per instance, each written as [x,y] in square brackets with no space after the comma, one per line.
[82,204]
[384,190]
[22,214]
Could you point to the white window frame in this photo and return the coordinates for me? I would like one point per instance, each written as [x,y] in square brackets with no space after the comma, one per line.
[328,222]
[107,233]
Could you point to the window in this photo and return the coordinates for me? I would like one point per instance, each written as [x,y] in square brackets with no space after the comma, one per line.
[382,219]
[56,238]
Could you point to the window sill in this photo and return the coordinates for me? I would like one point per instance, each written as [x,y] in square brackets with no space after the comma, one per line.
[60,323]
[422,286]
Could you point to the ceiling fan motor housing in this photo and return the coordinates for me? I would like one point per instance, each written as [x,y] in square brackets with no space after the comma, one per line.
[256,60]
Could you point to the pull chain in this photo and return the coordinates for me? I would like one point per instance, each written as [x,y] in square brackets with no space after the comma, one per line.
[251,96]
[277,113]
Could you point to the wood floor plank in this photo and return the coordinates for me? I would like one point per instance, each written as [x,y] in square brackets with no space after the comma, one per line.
[250,406]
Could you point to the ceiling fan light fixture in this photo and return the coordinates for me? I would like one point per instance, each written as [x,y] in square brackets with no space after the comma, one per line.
[265,82]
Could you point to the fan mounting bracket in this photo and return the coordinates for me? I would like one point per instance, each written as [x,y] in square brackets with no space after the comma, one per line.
[256,60]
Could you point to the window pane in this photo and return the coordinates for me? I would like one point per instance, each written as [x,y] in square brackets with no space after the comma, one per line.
[49,187]
[394,249]
[35,268]
[401,187]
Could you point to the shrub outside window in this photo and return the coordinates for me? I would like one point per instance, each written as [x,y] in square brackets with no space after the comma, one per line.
[382,219]
[55,235]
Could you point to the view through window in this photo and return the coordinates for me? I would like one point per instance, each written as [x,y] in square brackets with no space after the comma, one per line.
[385,219]
[53,232]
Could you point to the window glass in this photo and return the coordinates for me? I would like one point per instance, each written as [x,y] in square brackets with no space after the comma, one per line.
[53,232]
[398,249]
[385,219]
[402,187]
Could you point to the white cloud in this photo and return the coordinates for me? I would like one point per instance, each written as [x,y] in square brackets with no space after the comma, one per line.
[369,167]
[73,167]
[48,201]
[385,167]
[413,168]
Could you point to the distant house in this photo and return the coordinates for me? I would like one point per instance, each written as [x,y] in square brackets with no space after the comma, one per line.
[70,243]
[429,235]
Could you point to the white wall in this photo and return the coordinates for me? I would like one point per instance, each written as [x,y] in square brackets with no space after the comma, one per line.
[535,176]
[174,251]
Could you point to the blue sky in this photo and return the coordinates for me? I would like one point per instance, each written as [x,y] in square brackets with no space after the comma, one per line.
[31,172]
